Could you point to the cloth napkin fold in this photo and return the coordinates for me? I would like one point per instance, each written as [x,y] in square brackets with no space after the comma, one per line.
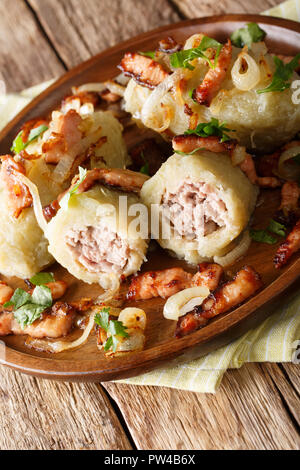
[275,340]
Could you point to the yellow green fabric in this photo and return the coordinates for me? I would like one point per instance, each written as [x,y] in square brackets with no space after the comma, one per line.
[275,340]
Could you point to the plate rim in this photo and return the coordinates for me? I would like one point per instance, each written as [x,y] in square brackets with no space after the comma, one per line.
[58,368]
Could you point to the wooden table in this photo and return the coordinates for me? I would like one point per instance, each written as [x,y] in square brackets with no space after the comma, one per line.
[257,406]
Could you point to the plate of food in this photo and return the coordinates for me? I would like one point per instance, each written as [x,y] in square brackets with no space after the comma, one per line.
[149,200]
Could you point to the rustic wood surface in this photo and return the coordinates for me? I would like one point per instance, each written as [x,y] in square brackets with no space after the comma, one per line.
[257,406]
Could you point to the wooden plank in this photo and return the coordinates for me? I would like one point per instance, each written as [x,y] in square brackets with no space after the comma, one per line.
[196,9]
[80,31]
[26,57]
[39,414]
[247,413]
[292,372]
[288,393]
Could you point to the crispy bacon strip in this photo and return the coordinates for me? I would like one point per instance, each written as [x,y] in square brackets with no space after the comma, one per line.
[84,97]
[144,70]
[58,289]
[32,124]
[67,136]
[288,247]
[6,292]
[212,82]
[51,210]
[290,193]
[162,283]
[54,323]
[168,282]
[248,167]
[19,195]
[169,45]
[208,275]
[246,283]
[188,143]
[125,180]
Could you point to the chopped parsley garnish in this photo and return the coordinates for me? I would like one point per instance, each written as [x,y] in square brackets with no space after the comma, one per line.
[64,203]
[145,169]
[184,57]
[191,92]
[206,129]
[28,308]
[262,236]
[42,278]
[18,144]
[282,75]
[277,228]
[247,35]
[150,54]
[114,328]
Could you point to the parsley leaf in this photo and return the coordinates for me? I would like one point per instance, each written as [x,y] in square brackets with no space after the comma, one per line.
[19,298]
[150,54]
[18,144]
[42,278]
[184,57]
[64,203]
[262,236]
[27,314]
[145,169]
[42,296]
[205,129]
[277,228]
[282,74]
[28,308]
[246,36]
[113,327]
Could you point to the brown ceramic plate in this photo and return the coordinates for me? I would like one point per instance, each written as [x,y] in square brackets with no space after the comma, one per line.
[87,363]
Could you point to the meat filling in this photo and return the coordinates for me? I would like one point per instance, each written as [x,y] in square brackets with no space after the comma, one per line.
[194,210]
[98,249]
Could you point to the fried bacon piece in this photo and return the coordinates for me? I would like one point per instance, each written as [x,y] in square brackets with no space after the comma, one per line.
[188,143]
[288,247]
[144,70]
[58,289]
[125,180]
[30,125]
[212,81]
[110,97]
[248,167]
[6,292]
[84,97]
[208,275]
[290,193]
[54,323]
[246,282]
[169,45]
[168,282]
[51,210]
[289,211]
[67,136]
[19,195]
[162,283]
